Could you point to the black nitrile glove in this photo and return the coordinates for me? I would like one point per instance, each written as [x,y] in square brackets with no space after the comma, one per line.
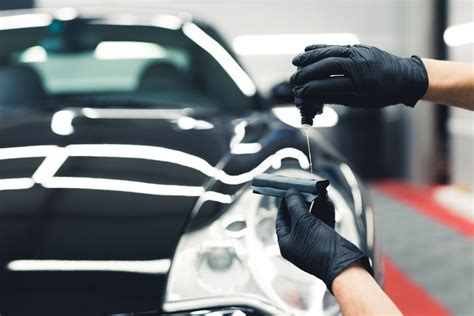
[310,244]
[372,78]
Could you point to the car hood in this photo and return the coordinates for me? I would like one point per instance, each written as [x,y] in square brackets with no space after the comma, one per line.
[119,187]
[108,184]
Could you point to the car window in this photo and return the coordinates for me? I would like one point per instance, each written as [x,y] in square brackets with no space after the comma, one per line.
[190,68]
[112,66]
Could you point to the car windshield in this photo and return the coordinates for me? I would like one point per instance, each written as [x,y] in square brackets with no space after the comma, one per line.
[118,66]
[82,61]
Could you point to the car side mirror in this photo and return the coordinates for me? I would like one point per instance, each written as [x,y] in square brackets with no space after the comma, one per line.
[281,94]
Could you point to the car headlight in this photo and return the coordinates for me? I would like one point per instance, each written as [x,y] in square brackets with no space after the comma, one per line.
[235,261]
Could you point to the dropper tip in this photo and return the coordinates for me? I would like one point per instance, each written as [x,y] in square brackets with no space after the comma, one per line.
[306,119]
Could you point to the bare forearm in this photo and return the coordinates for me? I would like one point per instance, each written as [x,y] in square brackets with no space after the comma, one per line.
[450,83]
[358,294]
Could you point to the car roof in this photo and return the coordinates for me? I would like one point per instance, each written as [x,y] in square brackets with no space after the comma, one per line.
[20,29]
[100,12]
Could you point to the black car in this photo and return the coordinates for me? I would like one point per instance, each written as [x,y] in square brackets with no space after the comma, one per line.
[127,143]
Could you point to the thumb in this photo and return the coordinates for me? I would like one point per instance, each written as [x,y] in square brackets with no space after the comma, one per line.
[323,209]
[283,222]
[296,205]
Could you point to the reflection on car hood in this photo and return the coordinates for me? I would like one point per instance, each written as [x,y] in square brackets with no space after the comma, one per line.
[107,184]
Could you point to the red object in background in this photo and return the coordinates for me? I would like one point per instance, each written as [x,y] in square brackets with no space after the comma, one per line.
[422,201]
[409,297]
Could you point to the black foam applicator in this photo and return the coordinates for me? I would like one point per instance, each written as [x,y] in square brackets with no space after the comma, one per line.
[276,185]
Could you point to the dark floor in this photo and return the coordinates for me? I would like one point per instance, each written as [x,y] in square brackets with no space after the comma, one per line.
[431,253]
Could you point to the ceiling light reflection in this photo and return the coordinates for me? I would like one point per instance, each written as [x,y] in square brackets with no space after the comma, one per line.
[184,159]
[183,121]
[216,197]
[166,21]
[26,152]
[24,21]
[141,152]
[239,133]
[238,148]
[50,165]
[246,149]
[270,161]
[66,14]
[222,56]
[56,157]
[128,50]
[459,35]
[128,186]
[35,54]
[61,122]
[16,184]
[187,123]
[121,186]
[166,114]
[369,217]
[344,215]
[352,181]
[160,266]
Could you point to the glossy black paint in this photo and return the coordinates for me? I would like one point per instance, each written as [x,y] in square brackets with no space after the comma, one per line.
[101,224]
[106,224]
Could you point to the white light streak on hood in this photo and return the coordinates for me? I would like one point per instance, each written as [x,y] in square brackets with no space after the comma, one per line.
[185,159]
[50,165]
[61,122]
[246,149]
[26,152]
[55,157]
[165,114]
[121,186]
[187,123]
[236,145]
[160,266]
[16,184]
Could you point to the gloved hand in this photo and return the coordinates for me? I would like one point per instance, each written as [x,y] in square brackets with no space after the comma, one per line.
[310,244]
[372,77]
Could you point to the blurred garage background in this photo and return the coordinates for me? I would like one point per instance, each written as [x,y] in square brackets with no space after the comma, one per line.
[428,141]
[419,161]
